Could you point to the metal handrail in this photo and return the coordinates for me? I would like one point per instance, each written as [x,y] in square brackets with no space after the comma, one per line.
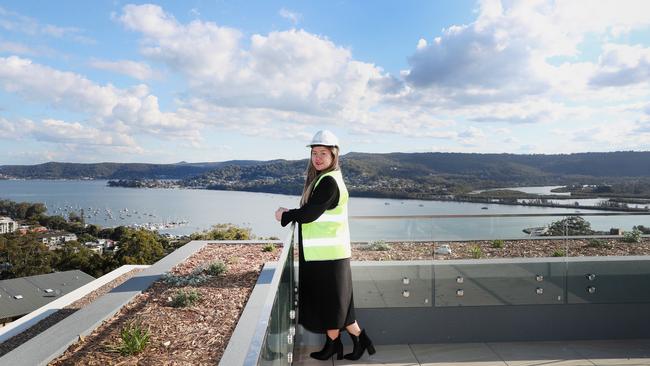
[442,216]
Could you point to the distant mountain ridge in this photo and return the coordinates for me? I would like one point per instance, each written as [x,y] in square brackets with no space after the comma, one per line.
[408,174]
[57,170]
[424,175]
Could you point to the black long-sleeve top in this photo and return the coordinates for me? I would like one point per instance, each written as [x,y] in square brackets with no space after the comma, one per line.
[324,197]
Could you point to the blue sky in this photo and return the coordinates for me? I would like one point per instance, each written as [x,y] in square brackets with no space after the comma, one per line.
[218,80]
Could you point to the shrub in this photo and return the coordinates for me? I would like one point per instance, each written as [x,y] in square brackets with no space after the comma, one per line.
[194,279]
[598,243]
[269,248]
[476,252]
[225,232]
[134,339]
[633,236]
[559,253]
[378,245]
[184,299]
[216,268]
[497,243]
[572,225]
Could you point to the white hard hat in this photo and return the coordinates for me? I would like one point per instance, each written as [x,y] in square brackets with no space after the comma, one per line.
[324,138]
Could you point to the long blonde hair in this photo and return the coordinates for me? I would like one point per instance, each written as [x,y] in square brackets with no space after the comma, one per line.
[313,174]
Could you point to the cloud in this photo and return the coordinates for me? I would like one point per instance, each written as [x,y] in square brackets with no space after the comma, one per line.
[287,70]
[516,113]
[58,131]
[293,17]
[136,70]
[503,56]
[15,48]
[15,22]
[134,109]
[621,65]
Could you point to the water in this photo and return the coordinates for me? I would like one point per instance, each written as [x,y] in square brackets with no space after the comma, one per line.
[546,190]
[204,208]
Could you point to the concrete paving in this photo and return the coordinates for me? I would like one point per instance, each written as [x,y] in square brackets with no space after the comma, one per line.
[634,352]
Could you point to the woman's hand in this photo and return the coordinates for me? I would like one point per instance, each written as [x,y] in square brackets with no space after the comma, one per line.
[279,212]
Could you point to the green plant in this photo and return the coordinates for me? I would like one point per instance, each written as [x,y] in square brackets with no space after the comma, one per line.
[476,252]
[225,232]
[134,339]
[378,245]
[559,253]
[216,268]
[498,243]
[184,299]
[193,279]
[269,248]
[572,225]
[598,243]
[633,236]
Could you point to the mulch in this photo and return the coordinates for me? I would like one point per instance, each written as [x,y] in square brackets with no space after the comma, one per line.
[196,335]
[511,249]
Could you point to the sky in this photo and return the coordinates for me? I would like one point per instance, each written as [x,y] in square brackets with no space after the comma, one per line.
[197,80]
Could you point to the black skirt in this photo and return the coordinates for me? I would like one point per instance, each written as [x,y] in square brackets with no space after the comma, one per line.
[324,293]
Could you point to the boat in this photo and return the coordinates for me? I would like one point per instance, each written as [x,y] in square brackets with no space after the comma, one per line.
[484,208]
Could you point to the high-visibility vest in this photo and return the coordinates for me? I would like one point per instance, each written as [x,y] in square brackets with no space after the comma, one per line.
[328,237]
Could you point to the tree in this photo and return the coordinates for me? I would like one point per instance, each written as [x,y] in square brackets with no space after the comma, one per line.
[23,255]
[572,225]
[139,247]
[74,255]
[224,232]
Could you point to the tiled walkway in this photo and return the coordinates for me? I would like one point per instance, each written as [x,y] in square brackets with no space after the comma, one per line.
[556,353]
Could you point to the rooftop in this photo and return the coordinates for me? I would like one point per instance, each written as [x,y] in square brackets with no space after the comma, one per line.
[503,307]
[20,296]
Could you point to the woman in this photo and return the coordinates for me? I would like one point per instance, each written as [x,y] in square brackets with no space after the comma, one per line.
[325,280]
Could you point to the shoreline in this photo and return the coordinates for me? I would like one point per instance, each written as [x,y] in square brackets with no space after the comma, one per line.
[464,197]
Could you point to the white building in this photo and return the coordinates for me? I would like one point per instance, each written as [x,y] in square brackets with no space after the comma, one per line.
[55,239]
[7,225]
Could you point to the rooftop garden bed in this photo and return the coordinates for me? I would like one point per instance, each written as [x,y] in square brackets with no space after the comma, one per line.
[395,251]
[186,317]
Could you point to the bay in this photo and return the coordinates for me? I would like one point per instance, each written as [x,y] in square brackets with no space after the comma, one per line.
[203,208]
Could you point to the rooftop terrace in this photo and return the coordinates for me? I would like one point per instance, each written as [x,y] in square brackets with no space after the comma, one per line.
[495,305]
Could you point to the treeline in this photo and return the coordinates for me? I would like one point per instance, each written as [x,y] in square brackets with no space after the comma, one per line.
[26,255]
[55,170]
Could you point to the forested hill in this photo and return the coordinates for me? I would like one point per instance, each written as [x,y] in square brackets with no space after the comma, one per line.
[393,174]
[421,175]
[55,170]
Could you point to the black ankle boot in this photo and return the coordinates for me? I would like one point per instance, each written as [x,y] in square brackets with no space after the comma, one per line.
[361,343]
[331,347]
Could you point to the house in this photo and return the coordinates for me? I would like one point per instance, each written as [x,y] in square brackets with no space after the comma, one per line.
[54,239]
[24,229]
[100,245]
[20,296]
[7,225]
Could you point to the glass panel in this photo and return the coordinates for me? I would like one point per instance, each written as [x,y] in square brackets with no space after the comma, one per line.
[493,282]
[600,268]
[395,285]
[532,259]
[608,280]
[277,343]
